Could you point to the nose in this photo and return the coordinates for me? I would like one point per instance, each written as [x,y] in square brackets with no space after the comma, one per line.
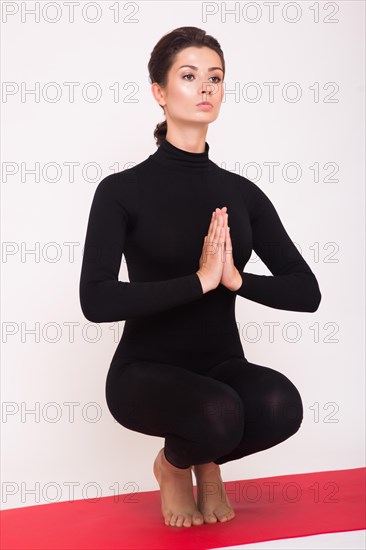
[205,89]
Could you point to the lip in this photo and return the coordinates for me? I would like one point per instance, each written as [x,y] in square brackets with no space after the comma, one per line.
[204,103]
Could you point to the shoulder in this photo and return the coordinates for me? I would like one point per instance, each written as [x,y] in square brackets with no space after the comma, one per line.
[118,185]
[117,182]
[118,191]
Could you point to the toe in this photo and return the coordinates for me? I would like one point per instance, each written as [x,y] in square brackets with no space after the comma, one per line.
[173,520]
[197,520]
[187,521]
[167,519]
[180,520]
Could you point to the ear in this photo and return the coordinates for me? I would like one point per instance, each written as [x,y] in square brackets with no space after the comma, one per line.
[158,93]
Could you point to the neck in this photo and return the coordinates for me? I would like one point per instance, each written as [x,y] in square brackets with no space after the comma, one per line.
[192,140]
[171,156]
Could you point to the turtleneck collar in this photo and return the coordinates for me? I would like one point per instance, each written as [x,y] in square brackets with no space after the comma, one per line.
[172,157]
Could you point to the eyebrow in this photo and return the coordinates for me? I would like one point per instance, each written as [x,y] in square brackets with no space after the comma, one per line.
[196,68]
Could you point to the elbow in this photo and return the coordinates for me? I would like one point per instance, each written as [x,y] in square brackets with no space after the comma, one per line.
[99,304]
[315,296]
[309,295]
[89,314]
[88,306]
[315,302]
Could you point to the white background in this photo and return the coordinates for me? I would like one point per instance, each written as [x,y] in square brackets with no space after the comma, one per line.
[51,355]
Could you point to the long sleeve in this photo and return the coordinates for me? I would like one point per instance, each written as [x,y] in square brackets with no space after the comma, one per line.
[103,298]
[292,285]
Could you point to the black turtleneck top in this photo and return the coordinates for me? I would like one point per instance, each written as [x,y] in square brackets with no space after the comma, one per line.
[157,214]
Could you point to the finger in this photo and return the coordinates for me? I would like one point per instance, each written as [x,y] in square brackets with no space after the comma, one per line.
[222,234]
[219,211]
[228,245]
[214,224]
[219,228]
[215,229]
[211,223]
[225,214]
[211,233]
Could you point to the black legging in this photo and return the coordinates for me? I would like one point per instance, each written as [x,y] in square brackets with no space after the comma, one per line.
[233,410]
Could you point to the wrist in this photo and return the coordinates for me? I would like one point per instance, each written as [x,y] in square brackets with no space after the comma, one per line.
[237,282]
[206,287]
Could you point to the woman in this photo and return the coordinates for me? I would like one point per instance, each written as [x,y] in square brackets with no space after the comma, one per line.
[179,370]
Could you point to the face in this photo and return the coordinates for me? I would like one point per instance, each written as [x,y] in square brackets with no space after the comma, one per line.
[188,86]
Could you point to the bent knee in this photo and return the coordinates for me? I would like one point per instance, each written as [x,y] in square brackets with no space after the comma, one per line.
[283,402]
[223,421]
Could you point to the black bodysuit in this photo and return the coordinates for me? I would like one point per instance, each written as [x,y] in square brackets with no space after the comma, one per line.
[179,370]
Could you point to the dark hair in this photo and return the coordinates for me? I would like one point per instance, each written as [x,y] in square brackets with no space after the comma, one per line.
[163,56]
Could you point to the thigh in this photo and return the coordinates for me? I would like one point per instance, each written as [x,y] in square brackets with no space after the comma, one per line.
[159,398]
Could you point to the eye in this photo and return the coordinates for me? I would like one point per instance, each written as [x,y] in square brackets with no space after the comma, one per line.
[217,77]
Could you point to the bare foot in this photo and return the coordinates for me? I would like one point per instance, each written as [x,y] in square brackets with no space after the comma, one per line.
[176,490]
[212,499]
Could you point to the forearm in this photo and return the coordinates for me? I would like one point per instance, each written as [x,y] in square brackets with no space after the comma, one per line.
[110,300]
[297,291]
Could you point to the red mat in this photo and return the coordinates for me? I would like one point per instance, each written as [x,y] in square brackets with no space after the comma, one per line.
[266,509]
